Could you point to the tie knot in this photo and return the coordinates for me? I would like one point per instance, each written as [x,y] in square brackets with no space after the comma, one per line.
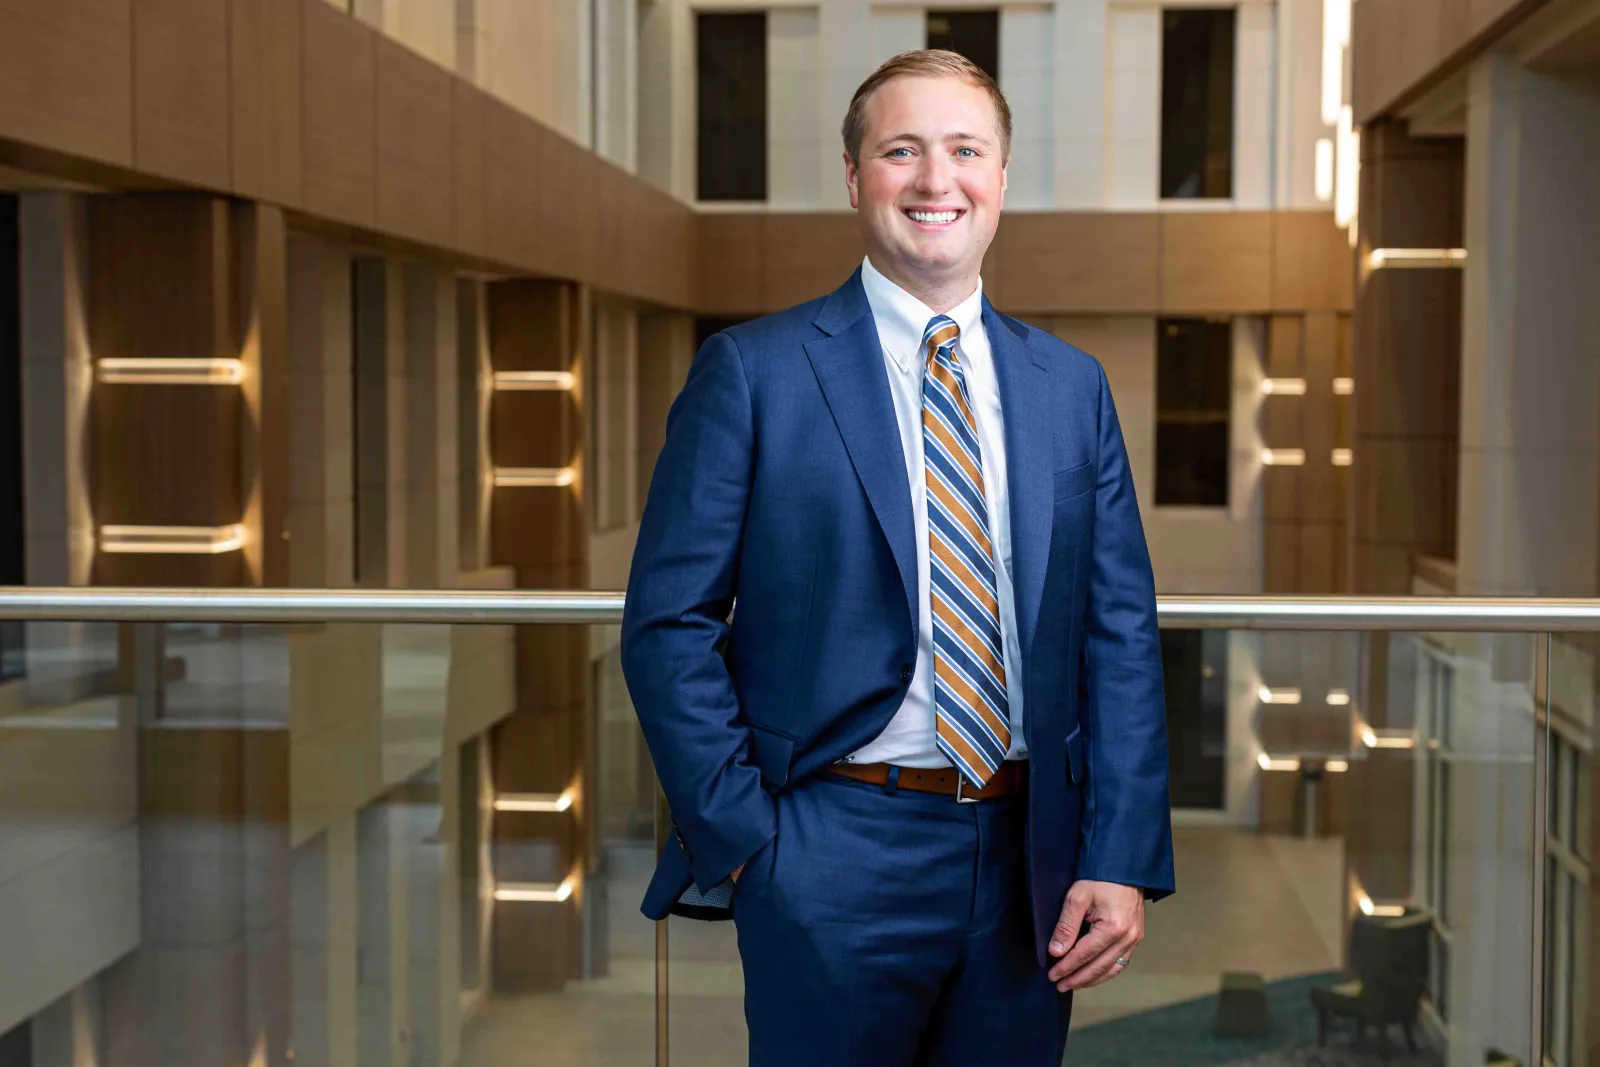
[942,332]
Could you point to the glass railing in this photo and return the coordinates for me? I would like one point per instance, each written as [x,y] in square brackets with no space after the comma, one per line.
[274,827]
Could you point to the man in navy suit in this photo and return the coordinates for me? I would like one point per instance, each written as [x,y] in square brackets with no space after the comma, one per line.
[891,634]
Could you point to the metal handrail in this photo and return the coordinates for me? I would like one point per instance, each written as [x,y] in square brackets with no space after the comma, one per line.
[106,604]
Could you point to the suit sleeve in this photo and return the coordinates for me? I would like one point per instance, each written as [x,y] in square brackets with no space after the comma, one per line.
[1127,826]
[680,592]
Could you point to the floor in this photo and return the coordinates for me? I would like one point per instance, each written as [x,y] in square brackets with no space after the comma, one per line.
[1245,902]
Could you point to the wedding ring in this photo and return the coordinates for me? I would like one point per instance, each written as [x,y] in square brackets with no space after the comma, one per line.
[1122,961]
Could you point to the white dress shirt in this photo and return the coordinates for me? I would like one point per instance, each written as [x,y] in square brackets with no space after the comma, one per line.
[910,738]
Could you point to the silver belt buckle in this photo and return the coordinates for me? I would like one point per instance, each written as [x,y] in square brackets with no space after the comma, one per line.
[961,784]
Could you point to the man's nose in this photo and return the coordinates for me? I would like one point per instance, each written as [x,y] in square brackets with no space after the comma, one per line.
[933,176]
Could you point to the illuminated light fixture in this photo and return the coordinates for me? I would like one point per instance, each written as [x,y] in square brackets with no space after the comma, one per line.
[534,802]
[1347,171]
[560,381]
[1336,766]
[1283,457]
[535,892]
[505,477]
[1388,739]
[1335,39]
[1344,386]
[1324,172]
[1378,911]
[172,540]
[170,371]
[1343,457]
[1338,698]
[1267,763]
[1283,386]
[1286,695]
[1416,258]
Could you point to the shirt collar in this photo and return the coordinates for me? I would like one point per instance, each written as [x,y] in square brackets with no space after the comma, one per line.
[902,318]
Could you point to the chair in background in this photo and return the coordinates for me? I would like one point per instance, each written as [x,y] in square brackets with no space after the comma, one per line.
[1389,958]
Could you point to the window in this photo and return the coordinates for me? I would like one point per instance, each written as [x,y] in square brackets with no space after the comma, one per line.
[732,101]
[974,34]
[1568,837]
[1197,103]
[1194,664]
[1194,386]
[11,523]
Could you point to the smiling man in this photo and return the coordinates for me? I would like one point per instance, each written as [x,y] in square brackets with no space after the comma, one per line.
[924,765]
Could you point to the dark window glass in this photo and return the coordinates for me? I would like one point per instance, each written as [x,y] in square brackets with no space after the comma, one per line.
[1194,665]
[974,34]
[1197,103]
[732,69]
[11,523]
[1194,385]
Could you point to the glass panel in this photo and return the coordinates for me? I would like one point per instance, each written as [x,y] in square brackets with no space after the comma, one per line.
[324,844]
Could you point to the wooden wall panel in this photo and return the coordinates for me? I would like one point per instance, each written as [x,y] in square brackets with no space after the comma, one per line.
[1063,262]
[181,103]
[568,207]
[513,169]
[468,115]
[806,256]
[1216,262]
[264,84]
[338,69]
[1313,266]
[729,269]
[416,162]
[65,69]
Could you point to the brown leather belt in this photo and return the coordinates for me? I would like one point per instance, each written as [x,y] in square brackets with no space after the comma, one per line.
[946,781]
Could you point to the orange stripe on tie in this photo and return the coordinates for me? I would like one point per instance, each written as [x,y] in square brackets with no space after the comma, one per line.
[958,566]
[952,737]
[957,451]
[953,504]
[973,700]
[969,638]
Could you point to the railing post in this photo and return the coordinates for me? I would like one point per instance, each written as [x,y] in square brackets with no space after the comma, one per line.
[1541,823]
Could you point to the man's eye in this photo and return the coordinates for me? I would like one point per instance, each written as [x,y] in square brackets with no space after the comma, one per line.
[899,153]
[967,153]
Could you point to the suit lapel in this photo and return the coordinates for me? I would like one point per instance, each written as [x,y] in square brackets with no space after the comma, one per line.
[1024,379]
[849,365]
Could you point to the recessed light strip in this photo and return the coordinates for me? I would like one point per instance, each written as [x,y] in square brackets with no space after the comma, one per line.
[552,802]
[1283,386]
[1342,457]
[509,477]
[153,371]
[1283,457]
[172,540]
[1416,258]
[560,381]
[1284,695]
[534,892]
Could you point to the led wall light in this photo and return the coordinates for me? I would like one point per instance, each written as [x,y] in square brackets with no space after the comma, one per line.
[1342,457]
[1285,695]
[1344,386]
[1283,386]
[1416,258]
[170,371]
[172,540]
[1378,911]
[560,381]
[1338,698]
[1324,169]
[1267,763]
[1388,739]
[534,892]
[1283,457]
[534,802]
[1336,766]
[507,477]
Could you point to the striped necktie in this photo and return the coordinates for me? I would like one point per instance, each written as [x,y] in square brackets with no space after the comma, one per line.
[969,679]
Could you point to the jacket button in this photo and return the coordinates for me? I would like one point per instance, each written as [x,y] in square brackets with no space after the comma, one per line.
[905,674]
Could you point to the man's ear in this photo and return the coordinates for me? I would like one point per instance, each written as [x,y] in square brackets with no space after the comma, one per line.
[850,176]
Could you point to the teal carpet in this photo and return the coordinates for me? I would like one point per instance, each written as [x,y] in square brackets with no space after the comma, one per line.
[1179,1035]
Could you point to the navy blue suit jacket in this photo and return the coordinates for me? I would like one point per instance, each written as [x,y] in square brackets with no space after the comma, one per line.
[782,485]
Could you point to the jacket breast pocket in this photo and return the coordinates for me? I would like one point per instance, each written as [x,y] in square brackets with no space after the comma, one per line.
[1074,481]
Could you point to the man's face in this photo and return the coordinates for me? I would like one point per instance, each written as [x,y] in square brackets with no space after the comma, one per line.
[931,179]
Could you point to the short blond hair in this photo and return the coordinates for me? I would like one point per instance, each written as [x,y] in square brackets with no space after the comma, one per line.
[928,63]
